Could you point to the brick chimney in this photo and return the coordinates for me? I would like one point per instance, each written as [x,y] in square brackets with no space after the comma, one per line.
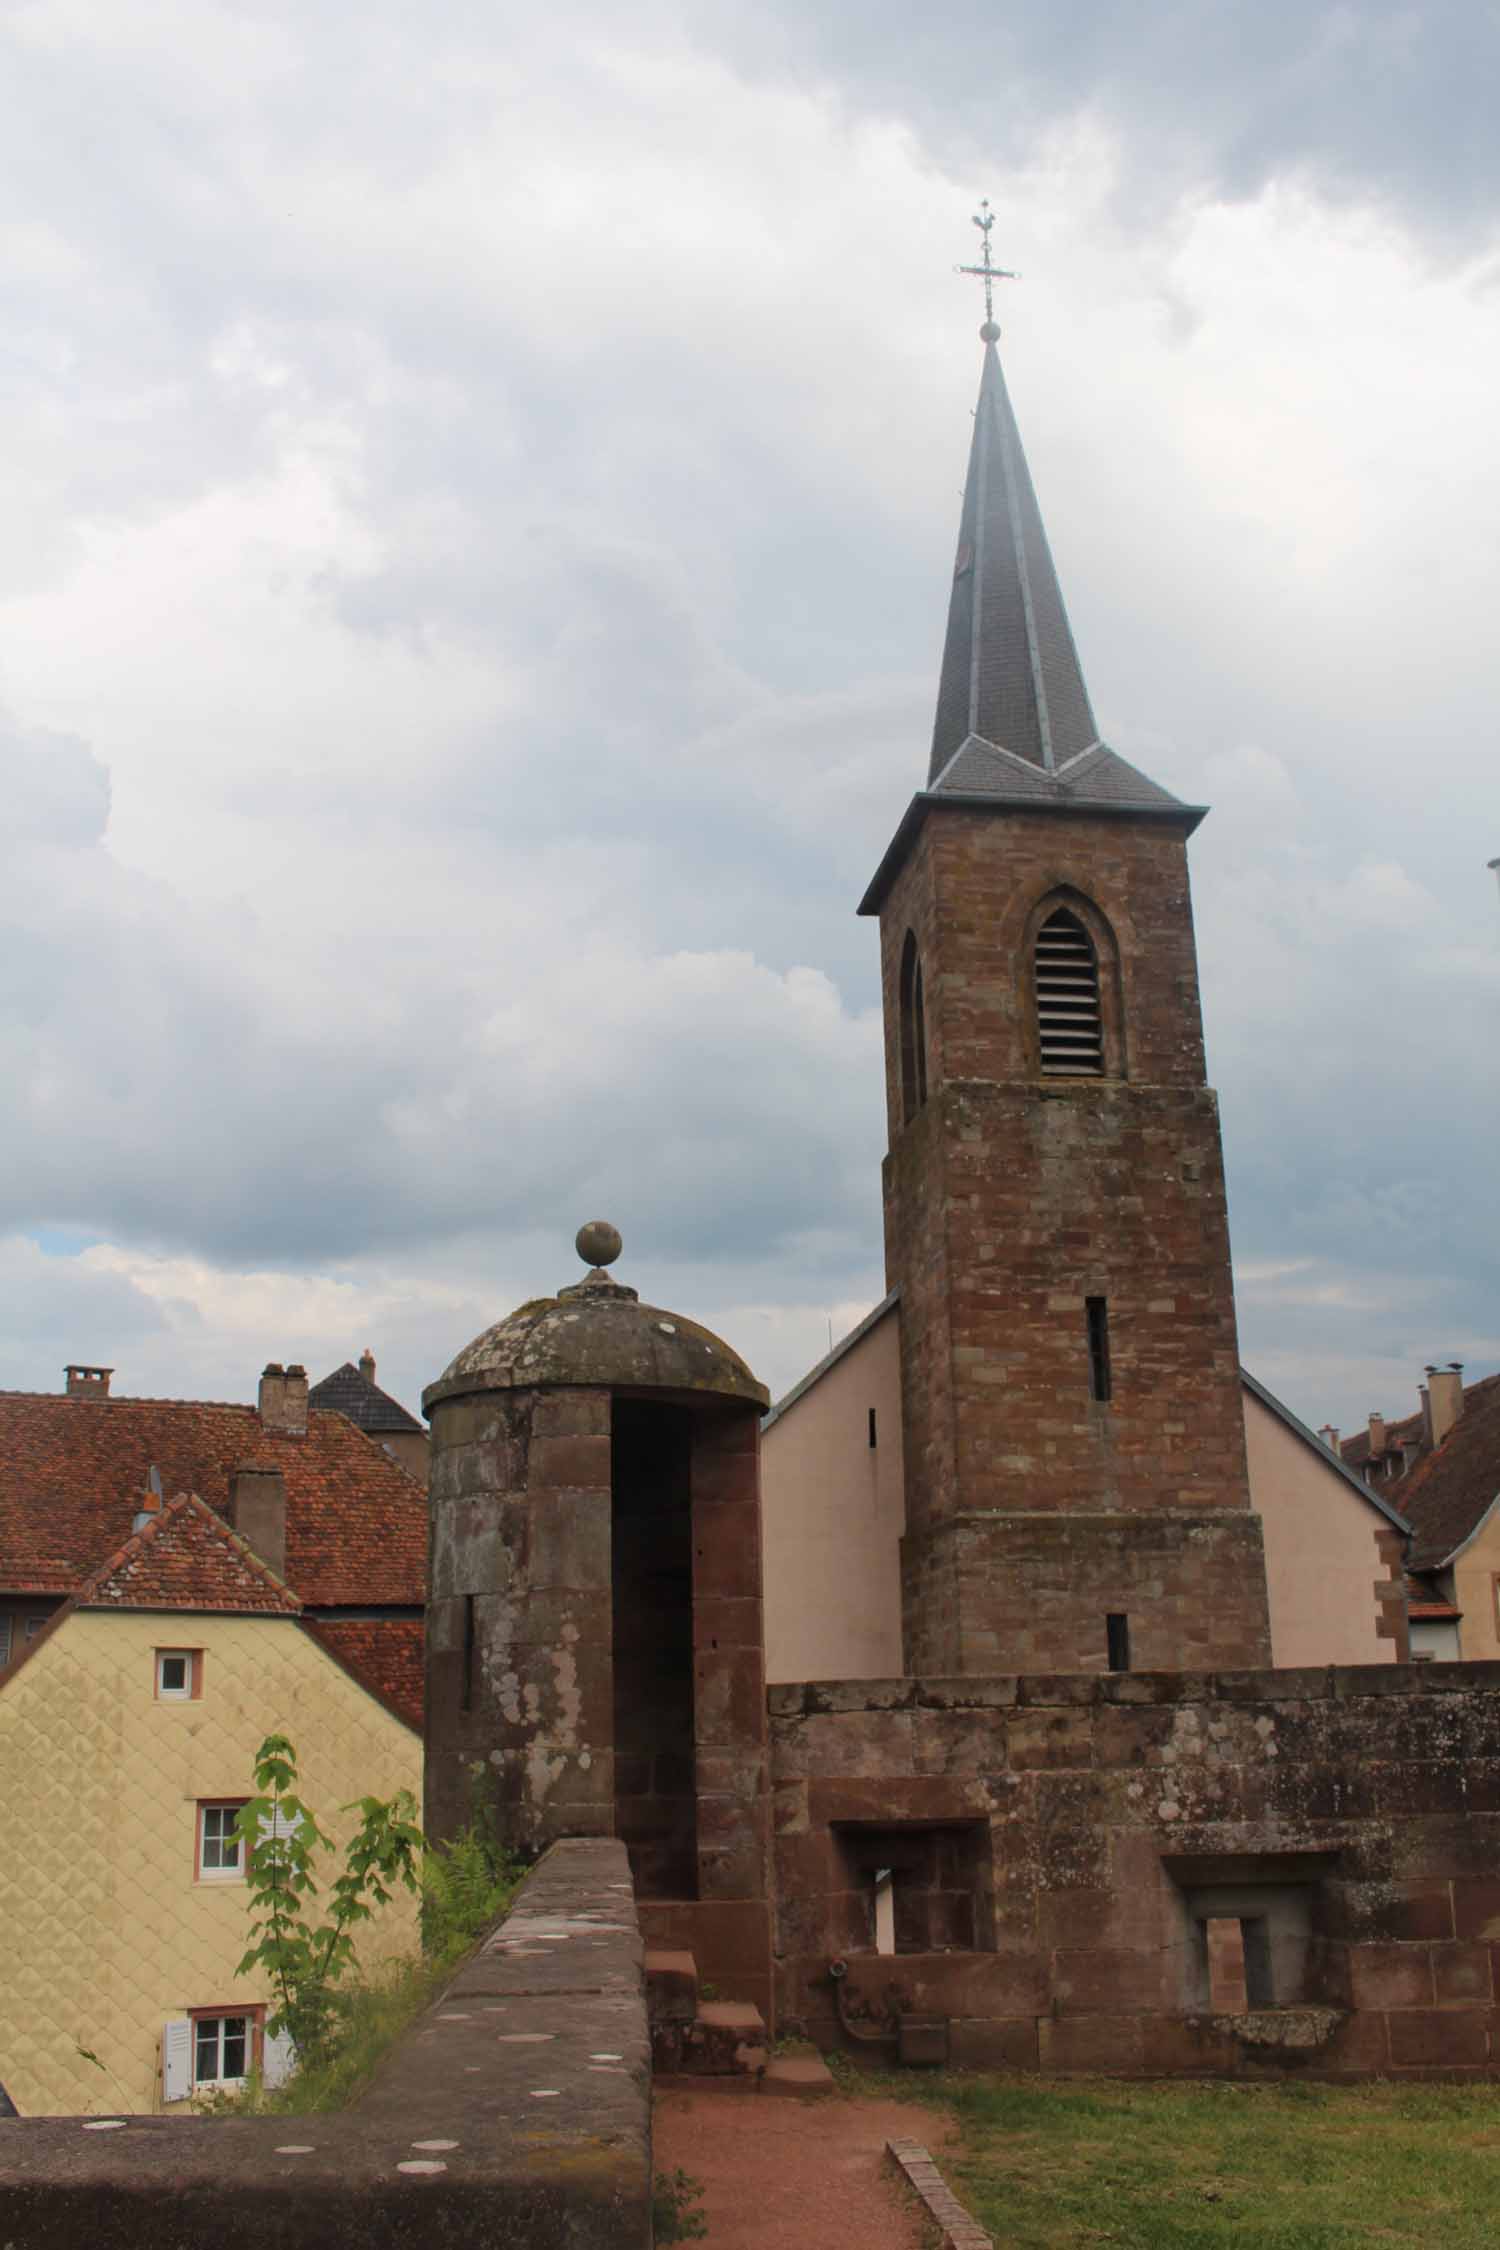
[283,1398]
[1446,1394]
[257,1510]
[367,1366]
[88,1382]
[1377,1433]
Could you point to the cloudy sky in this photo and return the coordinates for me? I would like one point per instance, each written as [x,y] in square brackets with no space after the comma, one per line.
[480,486]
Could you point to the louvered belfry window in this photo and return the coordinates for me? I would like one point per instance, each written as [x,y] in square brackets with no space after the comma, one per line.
[1070,1032]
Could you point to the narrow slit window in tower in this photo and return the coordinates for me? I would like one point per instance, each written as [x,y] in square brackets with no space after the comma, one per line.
[1070,1030]
[1098,1320]
[1117,1636]
[913,1032]
[467,1697]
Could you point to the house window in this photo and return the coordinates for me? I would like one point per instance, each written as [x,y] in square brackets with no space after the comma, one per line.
[1065,970]
[4,1639]
[913,1032]
[223,2049]
[178,1674]
[221,1851]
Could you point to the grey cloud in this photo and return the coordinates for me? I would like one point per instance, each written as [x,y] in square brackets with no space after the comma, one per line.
[1377,99]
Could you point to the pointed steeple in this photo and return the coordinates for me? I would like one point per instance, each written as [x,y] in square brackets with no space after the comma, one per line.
[1011,674]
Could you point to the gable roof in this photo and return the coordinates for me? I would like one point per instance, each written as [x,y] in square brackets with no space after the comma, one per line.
[1453,1488]
[72,1471]
[830,1360]
[187,1558]
[385,1654]
[1329,1459]
[1356,1450]
[368,1407]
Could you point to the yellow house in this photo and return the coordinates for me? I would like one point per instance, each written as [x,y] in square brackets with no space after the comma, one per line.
[128,1731]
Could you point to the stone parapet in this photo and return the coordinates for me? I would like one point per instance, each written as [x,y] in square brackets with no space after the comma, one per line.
[515,2113]
[1072,1855]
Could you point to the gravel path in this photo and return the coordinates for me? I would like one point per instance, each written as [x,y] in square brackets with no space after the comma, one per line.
[780,2174]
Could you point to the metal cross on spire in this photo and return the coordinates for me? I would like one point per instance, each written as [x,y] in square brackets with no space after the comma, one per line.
[987,271]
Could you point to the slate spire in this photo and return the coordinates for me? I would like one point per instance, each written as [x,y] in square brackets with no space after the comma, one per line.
[1011,674]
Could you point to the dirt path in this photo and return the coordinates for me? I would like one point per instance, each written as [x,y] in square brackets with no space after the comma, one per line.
[795,2175]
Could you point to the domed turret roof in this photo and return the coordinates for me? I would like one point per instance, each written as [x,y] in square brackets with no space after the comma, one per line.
[598,1335]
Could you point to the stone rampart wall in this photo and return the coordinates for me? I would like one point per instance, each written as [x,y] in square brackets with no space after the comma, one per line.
[1346,1820]
[516,2113]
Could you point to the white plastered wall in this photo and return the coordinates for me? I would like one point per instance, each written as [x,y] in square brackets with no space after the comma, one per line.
[833,1514]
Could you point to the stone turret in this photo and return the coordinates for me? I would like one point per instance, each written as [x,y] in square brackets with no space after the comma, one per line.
[595,1648]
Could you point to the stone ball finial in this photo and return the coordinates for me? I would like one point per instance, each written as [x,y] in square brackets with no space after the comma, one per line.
[990,332]
[598,1243]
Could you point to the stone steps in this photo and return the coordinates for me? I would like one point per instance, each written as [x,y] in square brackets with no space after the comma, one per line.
[716,2046]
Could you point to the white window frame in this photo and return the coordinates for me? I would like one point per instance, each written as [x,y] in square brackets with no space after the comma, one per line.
[233,1806]
[183,1694]
[7,1632]
[246,2016]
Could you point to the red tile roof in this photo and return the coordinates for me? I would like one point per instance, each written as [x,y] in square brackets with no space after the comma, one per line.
[1450,1489]
[72,1471]
[385,1655]
[186,1558]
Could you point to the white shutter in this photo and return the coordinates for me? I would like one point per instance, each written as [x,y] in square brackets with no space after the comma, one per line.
[176,2059]
[278,2058]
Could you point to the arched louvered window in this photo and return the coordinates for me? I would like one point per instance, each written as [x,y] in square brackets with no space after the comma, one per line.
[913,1032]
[1070,1031]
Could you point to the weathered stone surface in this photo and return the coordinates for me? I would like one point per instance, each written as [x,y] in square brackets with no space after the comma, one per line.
[1116,1830]
[597,1337]
[526,2119]
[1012,1198]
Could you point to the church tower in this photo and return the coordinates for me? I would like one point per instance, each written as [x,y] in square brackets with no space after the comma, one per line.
[1055,1220]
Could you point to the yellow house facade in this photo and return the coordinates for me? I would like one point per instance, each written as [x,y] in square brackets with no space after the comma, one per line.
[127,1742]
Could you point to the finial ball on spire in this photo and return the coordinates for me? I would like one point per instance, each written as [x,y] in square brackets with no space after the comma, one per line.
[989,331]
[598,1243]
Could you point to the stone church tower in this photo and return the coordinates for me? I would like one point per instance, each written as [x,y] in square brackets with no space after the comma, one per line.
[1054,1193]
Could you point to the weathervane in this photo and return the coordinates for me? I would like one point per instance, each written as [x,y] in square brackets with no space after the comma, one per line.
[987,271]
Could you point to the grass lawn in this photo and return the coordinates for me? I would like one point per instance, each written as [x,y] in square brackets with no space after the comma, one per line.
[1203,2166]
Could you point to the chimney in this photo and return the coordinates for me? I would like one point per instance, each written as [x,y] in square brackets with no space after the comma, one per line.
[257,1510]
[1330,1437]
[283,1398]
[1377,1433]
[88,1382]
[1446,1391]
[1425,1395]
[367,1366]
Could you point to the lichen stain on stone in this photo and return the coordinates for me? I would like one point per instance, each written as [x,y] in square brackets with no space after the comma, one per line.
[569,1694]
[542,1771]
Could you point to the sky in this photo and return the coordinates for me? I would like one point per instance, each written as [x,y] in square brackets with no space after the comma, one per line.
[481,487]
